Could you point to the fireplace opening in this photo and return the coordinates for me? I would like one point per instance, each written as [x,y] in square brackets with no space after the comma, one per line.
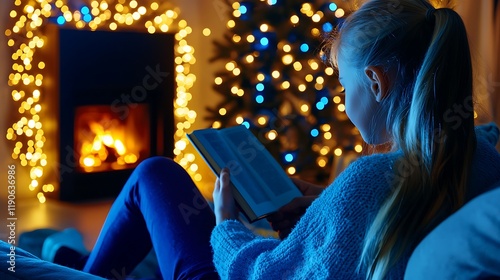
[115,98]
[104,141]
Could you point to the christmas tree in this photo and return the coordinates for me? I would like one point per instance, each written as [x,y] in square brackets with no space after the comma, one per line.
[278,83]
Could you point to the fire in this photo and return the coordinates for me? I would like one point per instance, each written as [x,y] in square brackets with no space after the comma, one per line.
[106,146]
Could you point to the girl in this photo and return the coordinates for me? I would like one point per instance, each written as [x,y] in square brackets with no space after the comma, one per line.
[407,74]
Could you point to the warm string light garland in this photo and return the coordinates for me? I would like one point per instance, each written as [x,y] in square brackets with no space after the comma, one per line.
[27,76]
[276,70]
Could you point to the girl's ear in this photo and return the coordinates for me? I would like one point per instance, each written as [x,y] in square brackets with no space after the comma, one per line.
[379,84]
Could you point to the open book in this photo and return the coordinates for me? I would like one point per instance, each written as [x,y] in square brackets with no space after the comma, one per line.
[260,186]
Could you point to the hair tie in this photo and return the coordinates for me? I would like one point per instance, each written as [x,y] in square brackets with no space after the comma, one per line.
[429,15]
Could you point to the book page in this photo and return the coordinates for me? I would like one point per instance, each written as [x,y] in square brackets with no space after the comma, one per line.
[271,180]
[218,149]
[231,162]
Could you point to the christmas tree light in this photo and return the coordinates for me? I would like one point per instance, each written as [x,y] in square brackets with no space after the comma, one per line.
[284,90]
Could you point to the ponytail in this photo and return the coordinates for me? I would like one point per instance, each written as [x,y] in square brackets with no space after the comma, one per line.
[427,54]
[437,151]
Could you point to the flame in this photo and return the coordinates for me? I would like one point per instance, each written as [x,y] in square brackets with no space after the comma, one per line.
[108,140]
[94,153]
[130,158]
[120,148]
[89,161]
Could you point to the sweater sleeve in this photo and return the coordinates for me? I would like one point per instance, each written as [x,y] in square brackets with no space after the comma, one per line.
[325,243]
[236,248]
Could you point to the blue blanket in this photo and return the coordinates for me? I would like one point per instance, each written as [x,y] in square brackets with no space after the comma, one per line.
[16,263]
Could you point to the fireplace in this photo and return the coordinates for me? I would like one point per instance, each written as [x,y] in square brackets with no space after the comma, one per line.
[115,95]
[105,142]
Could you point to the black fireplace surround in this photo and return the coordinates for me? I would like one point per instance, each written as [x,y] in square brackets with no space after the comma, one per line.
[121,70]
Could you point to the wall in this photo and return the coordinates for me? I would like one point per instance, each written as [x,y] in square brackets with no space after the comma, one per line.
[6,106]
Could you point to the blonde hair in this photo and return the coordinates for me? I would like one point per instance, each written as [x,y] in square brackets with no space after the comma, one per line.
[426,54]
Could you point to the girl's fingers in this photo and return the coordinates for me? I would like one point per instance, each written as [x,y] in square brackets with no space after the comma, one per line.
[224,205]
[284,233]
[298,204]
[296,208]
[217,184]
[275,217]
[283,224]
[221,181]
[224,181]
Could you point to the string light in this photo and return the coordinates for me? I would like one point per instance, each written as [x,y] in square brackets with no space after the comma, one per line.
[339,13]
[271,135]
[26,37]
[358,148]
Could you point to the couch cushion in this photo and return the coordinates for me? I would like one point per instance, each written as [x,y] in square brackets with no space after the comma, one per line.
[464,246]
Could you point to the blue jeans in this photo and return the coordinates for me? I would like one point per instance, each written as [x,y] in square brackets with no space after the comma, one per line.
[159,206]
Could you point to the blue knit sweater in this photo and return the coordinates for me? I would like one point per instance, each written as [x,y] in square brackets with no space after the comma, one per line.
[326,242]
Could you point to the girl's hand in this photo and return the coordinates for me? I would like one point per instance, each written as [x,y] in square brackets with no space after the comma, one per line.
[307,188]
[224,204]
[287,216]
